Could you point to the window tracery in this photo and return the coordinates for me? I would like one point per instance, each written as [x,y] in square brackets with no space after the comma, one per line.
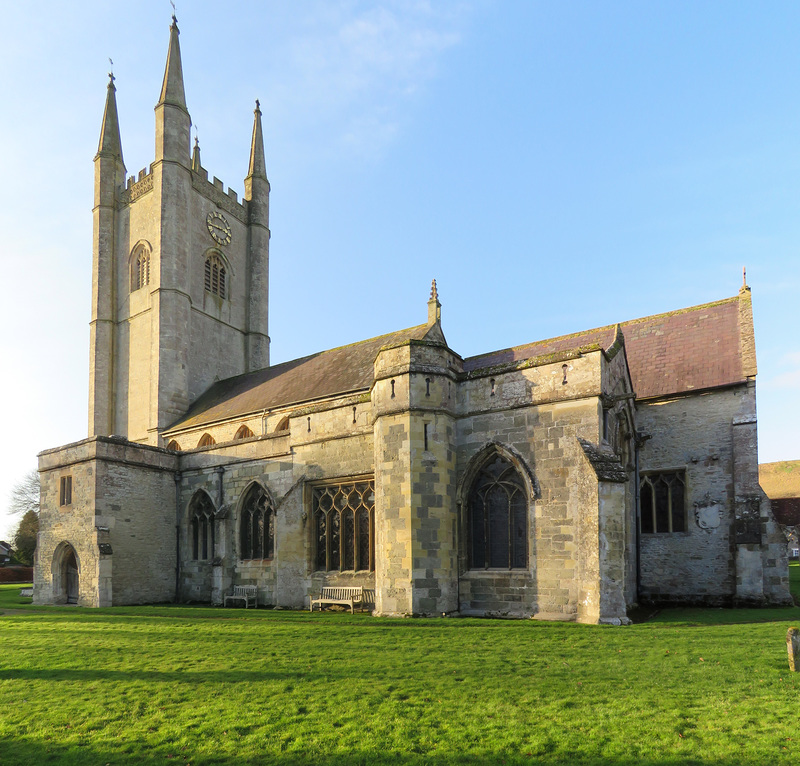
[344,526]
[257,525]
[662,500]
[201,522]
[498,517]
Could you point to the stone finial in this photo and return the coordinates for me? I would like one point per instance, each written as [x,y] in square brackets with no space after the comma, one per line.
[434,307]
[793,647]
[196,155]
[745,287]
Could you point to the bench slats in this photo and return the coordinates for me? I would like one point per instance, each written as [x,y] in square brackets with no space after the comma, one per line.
[246,593]
[339,595]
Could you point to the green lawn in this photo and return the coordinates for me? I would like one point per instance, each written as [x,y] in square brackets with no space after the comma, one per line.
[184,685]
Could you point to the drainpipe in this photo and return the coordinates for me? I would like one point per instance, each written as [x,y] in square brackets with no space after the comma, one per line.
[637,521]
[220,500]
[177,477]
[639,438]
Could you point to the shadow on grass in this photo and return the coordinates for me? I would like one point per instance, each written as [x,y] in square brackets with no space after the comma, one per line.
[23,753]
[50,675]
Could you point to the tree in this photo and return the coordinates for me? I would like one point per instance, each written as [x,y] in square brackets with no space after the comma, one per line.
[25,503]
[25,538]
[25,495]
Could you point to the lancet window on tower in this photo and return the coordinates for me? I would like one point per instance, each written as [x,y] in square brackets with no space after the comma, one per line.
[215,275]
[140,267]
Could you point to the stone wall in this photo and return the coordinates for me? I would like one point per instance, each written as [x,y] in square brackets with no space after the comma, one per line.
[121,523]
[710,436]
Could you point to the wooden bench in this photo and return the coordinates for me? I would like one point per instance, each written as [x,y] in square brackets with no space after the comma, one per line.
[246,593]
[342,596]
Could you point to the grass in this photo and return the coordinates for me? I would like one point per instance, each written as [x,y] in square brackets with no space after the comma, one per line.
[172,684]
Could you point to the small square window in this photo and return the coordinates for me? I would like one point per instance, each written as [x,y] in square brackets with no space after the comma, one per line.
[66,491]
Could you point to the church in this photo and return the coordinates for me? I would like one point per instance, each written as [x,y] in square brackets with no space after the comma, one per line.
[566,479]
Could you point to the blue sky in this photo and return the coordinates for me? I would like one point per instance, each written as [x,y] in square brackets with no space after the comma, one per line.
[555,166]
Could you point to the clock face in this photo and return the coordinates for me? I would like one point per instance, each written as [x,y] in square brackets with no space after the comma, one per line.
[219,228]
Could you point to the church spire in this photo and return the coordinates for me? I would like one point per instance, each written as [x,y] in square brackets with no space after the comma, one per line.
[172,88]
[258,166]
[110,144]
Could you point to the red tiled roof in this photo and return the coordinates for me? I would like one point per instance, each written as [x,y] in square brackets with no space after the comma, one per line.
[337,371]
[686,350]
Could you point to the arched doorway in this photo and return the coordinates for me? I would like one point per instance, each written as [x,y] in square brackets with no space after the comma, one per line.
[70,578]
[66,574]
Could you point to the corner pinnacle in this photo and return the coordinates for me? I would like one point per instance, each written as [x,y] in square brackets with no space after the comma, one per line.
[434,307]
[258,165]
[172,91]
[110,143]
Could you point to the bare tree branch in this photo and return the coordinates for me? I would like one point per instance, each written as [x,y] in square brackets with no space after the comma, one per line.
[25,495]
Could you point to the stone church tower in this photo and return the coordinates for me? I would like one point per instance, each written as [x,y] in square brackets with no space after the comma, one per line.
[180,274]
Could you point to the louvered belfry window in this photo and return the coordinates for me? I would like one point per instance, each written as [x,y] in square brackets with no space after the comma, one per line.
[140,268]
[215,276]
[498,511]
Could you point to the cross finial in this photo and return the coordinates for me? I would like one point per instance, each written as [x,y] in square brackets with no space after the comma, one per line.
[174,11]
[434,292]
[111,73]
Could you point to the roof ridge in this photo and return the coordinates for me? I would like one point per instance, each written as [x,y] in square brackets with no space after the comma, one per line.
[309,356]
[674,312]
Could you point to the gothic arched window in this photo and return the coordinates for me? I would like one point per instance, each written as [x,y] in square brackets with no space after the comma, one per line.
[215,275]
[497,513]
[201,522]
[173,446]
[344,526]
[206,440]
[243,433]
[257,525]
[140,267]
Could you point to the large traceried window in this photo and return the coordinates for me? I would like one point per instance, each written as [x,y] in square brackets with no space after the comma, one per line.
[498,517]
[140,267]
[662,500]
[215,275]
[344,526]
[201,522]
[257,525]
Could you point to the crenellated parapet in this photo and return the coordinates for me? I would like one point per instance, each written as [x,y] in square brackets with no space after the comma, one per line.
[136,187]
[215,192]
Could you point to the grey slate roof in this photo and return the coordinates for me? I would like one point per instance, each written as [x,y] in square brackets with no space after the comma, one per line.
[337,371]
